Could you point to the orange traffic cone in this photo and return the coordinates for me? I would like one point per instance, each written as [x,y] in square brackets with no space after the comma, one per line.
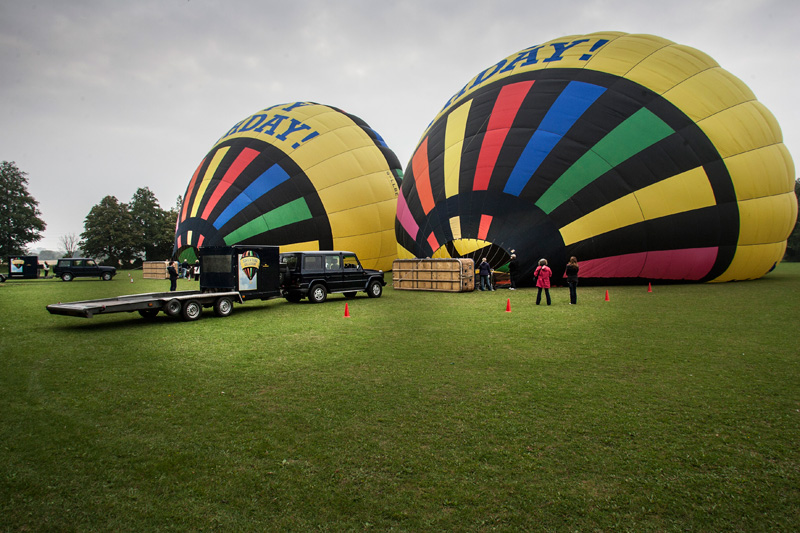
[606,294]
[508,305]
[649,287]
[346,311]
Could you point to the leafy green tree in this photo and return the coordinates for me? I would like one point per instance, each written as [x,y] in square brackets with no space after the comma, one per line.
[109,232]
[153,228]
[793,245]
[20,222]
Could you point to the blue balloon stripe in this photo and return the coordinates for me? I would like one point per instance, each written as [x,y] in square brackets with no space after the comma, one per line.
[573,102]
[271,178]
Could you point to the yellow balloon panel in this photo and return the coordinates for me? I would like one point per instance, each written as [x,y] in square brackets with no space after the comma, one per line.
[753,261]
[741,128]
[763,172]
[707,93]
[767,219]
[623,53]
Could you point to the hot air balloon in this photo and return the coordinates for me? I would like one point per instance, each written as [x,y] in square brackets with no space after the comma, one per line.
[641,157]
[302,175]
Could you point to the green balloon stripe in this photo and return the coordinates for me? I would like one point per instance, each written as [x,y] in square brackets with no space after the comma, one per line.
[637,132]
[294,211]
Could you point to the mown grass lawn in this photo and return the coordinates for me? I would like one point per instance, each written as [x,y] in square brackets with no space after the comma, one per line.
[672,410]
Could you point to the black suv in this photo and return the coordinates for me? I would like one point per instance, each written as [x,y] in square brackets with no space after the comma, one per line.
[82,267]
[315,274]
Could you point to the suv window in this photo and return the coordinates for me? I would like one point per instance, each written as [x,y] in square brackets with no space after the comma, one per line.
[312,262]
[332,262]
[350,262]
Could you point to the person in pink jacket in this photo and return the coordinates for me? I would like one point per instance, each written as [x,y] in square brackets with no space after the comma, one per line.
[542,276]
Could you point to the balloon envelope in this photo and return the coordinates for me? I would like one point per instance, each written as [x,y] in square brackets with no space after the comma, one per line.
[301,175]
[641,157]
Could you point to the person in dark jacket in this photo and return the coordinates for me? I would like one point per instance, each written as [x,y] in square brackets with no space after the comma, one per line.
[486,273]
[542,275]
[173,276]
[572,279]
[513,268]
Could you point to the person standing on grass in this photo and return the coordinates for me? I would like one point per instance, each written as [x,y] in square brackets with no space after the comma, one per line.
[486,272]
[513,268]
[173,276]
[572,279]
[542,275]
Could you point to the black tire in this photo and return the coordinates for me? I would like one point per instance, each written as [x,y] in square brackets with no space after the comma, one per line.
[223,306]
[317,294]
[350,294]
[173,307]
[374,289]
[293,297]
[2,278]
[148,313]
[106,276]
[67,276]
[191,310]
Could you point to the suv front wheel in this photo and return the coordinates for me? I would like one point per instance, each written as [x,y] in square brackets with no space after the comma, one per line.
[374,290]
[317,294]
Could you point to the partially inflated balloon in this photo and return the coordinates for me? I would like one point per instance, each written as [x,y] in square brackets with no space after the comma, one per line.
[641,157]
[303,176]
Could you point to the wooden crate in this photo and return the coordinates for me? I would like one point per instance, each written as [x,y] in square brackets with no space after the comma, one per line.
[154,269]
[444,275]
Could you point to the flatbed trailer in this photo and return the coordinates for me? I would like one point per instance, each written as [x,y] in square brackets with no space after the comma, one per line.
[186,304]
[228,275]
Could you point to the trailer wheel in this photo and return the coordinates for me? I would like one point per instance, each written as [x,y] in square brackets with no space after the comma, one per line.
[173,307]
[317,294]
[374,290]
[191,310]
[2,278]
[293,297]
[223,306]
[148,313]
[66,276]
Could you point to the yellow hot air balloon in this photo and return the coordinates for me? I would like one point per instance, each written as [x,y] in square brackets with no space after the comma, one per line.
[301,175]
[642,157]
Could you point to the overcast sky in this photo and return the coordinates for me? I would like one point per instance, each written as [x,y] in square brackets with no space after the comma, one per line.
[100,98]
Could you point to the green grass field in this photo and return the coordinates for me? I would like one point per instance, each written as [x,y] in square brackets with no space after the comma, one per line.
[676,410]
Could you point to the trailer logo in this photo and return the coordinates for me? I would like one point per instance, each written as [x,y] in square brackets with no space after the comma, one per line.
[249,262]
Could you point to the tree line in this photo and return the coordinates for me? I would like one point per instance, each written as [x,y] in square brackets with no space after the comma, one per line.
[114,232]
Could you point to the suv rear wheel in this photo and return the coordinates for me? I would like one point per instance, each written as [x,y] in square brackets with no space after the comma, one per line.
[67,276]
[293,297]
[317,294]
